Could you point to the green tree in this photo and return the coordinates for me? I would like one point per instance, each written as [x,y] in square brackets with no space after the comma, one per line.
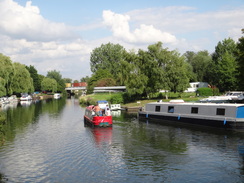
[200,63]
[85,79]
[105,82]
[224,70]
[108,57]
[67,80]
[2,87]
[58,77]
[35,77]
[22,81]
[49,84]
[7,73]
[176,73]
[240,59]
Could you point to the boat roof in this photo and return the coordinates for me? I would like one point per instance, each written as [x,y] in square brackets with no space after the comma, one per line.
[102,101]
[200,104]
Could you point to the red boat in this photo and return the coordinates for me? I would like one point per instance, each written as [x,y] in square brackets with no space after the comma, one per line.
[103,120]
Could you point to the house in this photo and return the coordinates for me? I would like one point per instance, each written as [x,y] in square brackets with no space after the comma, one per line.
[196,85]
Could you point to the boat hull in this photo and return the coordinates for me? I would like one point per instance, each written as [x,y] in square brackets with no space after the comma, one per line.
[205,121]
[99,121]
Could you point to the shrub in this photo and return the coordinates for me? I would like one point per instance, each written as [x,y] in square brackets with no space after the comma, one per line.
[117,99]
[204,92]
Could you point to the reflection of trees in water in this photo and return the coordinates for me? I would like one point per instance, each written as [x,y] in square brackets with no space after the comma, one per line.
[21,116]
[2,122]
[157,142]
[2,178]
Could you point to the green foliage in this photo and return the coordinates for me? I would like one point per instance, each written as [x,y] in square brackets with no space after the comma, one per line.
[224,70]
[2,87]
[49,84]
[85,79]
[7,72]
[240,61]
[67,80]
[22,81]
[58,77]
[200,63]
[105,82]
[35,77]
[108,57]
[117,98]
[177,80]
[205,92]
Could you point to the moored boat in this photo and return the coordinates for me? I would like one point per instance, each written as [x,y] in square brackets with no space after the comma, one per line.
[57,96]
[25,97]
[211,114]
[104,119]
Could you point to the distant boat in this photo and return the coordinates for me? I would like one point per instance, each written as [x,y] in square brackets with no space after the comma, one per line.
[115,107]
[57,96]
[25,97]
[229,96]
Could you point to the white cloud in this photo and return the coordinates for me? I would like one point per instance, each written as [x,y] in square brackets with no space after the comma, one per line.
[26,22]
[120,27]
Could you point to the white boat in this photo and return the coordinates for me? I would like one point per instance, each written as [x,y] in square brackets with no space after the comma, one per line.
[211,114]
[57,96]
[115,107]
[25,97]
[232,95]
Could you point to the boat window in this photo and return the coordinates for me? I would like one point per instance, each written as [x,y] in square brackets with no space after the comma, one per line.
[170,109]
[220,111]
[157,108]
[194,110]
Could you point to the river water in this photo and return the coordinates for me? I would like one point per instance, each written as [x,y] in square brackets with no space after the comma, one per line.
[48,142]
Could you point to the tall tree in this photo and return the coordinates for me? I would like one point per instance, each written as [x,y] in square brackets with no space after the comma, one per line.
[67,80]
[49,84]
[224,70]
[176,73]
[240,59]
[200,63]
[35,77]
[85,79]
[2,87]
[7,73]
[58,77]
[22,81]
[108,57]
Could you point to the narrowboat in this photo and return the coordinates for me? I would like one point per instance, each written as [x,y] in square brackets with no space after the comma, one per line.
[224,115]
[104,119]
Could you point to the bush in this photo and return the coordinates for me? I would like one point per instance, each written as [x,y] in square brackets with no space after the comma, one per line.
[117,99]
[204,92]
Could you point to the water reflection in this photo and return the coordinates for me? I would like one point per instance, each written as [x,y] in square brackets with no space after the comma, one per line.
[20,115]
[102,136]
[52,145]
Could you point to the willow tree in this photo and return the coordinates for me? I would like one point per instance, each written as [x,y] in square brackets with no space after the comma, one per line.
[7,73]
[2,87]
[22,81]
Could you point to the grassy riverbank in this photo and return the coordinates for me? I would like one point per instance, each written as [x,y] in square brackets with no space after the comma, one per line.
[91,99]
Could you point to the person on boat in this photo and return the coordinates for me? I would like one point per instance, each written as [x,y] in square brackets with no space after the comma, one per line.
[97,110]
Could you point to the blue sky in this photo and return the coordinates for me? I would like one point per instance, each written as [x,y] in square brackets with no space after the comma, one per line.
[60,34]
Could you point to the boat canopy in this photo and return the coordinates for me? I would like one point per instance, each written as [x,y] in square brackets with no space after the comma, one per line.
[102,101]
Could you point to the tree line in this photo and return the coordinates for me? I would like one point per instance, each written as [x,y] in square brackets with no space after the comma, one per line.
[147,71]
[17,78]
